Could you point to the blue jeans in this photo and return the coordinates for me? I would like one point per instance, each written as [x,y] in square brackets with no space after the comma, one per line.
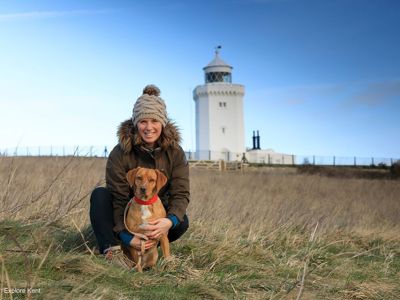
[102,220]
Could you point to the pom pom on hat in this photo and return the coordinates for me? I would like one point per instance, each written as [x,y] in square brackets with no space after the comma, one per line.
[151,90]
[150,106]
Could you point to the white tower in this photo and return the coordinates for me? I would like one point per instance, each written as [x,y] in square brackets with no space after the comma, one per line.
[219,113]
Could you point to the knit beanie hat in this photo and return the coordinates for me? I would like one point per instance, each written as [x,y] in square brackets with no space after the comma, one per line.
[150,105]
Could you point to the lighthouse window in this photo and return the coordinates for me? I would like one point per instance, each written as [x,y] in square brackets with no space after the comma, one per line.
[218,77]
[223,129]
[222,104]
[227,77]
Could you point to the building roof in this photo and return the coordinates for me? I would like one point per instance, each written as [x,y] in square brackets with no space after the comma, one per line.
[217,62]
[217,65]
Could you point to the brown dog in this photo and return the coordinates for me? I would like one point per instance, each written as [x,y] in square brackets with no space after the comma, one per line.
[144,207]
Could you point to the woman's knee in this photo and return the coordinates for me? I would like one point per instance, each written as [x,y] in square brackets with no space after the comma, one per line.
[178,231]
[185,223]
[100,196]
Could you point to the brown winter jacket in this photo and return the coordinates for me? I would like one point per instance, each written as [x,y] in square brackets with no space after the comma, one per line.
[167,157]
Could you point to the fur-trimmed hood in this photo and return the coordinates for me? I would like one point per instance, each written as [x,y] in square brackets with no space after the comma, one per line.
[128,136]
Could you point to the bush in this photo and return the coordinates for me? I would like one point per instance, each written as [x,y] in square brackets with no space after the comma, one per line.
[395,169]
[346,172]
[382,166]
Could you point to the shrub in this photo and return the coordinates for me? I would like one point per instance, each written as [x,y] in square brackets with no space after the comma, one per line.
[382,166]
[395,169]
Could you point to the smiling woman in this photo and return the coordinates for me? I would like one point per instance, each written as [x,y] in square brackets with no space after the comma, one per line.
[149,115]
[149,130]
[146,140]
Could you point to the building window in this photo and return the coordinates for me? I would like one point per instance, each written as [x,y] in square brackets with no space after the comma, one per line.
[218,77]
[222,104]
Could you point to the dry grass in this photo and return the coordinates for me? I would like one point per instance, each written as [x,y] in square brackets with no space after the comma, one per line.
[48,188]
[263,201]
[251,236]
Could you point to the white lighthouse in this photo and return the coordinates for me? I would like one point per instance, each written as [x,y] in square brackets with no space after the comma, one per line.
[219,113]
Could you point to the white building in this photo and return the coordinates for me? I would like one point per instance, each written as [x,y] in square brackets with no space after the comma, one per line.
[219,114]
[220,122]
[269,156]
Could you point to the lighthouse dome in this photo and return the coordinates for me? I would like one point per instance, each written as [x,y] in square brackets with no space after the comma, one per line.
[217,70]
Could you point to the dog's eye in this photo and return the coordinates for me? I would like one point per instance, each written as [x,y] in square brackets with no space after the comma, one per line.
[139,177]
[151,180]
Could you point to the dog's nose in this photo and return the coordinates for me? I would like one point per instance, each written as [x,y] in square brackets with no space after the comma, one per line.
[143,190]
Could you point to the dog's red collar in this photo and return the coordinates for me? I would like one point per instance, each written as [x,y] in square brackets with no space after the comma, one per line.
[148,202]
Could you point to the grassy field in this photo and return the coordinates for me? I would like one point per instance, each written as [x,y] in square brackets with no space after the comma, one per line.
[262,234]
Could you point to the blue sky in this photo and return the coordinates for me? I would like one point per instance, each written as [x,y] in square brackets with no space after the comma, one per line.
[322,76]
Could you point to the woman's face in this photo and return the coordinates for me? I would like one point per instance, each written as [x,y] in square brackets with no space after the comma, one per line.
[149,130]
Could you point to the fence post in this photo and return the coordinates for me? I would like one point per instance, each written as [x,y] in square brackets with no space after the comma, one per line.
[222,165]
[209,154]
[283,159]
[293,159]
[313,160]
[355,161]
[372,160]
[334,160]
[391,161]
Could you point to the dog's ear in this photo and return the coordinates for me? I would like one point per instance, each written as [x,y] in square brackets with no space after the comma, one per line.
[161,179]
[130,176]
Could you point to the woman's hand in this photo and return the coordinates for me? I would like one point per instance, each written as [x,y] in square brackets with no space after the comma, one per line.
[158,227]
[136,243]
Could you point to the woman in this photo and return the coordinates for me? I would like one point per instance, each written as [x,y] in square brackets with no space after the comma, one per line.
[148,140]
